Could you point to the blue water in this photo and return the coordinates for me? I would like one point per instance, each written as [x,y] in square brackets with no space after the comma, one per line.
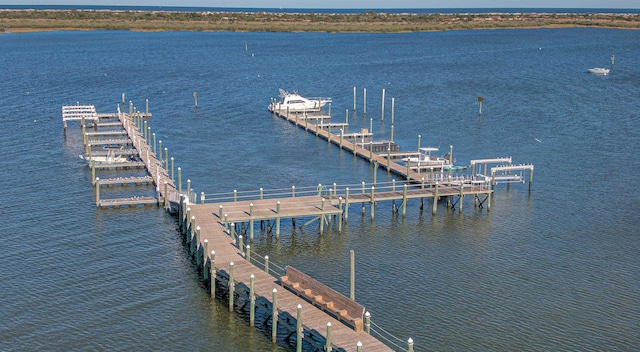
[551,269]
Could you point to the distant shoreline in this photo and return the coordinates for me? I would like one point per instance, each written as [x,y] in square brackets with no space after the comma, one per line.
[29,20]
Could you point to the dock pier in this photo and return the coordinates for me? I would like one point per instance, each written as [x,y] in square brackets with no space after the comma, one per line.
[218,230]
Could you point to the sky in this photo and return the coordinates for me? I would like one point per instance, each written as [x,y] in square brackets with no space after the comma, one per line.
[353,4]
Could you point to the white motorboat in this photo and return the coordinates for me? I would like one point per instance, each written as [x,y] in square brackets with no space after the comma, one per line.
[426,160]
[599,71]
[110,158]
[294,102]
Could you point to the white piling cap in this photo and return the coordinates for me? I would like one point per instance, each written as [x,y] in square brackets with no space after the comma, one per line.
[299,306]
[252,276]
[197,228]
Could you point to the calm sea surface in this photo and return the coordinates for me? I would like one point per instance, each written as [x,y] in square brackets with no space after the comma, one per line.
[557,268]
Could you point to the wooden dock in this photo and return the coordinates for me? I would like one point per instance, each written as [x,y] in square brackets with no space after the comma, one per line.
[216,249]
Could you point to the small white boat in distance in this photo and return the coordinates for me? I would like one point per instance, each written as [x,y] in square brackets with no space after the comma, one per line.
[294,102]
[599,71]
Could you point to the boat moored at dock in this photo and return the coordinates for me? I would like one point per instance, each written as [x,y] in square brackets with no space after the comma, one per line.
[294,102]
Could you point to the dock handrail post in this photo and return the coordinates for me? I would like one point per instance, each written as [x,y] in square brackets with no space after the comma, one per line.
[266,264]
[154,144]
[274,316]
[213,273]
[404,200]
[252,298]
[410,345]
[166,157]
[261,193]
[219,211]
[240,242]
[148,135]
[389,159]
[146,111]
[319,188]
[232,286]
[186,223]
[367,323]
[247,253]
[189,189]
[278,220]
[97,192]
[205,253]
[172,174]
[371,125]
[299,328]
[435,200]
[346,205]
[359,346]
[251,222]
[235,195]
[352,274]
[327,344]
[179,180]
[419,138]
[201,197]
[195,243]
[347,116]
[293,191]
[341,137]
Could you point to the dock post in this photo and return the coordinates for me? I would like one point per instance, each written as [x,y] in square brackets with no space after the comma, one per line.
[166,158]
[329,110]
[435,201]
[189,189]
[347,117]
[391,134]
[278,220]
[404,200]
[213,273]
[131,108]
[340,215]
[261,193]
[247,254]
[367,323]
[354,100]
[321,217]
[363,192]
[159,148]
[489,202]
[252,298]
[393,110]
[154,144]
[346,205]
[186,220]
[179,180]
[341,137]
[251,222]
[195,243]
[327,344]
[299,331]
[370,152]
[235,195]
[146,111]
[123,100]
[205,253]
[93,169]
[461,198]
[97,192]
[172,178]
[382,104]
[293,191]
[375,172]
[180,211]
[371,125]
[530,177]
[352,274]
[195,99]
[410,345]
[266,264]
[373,202]
[232,286]
[240,242]
[364,101]
[274,316]
[166,195]
[359,346]
[201,197]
